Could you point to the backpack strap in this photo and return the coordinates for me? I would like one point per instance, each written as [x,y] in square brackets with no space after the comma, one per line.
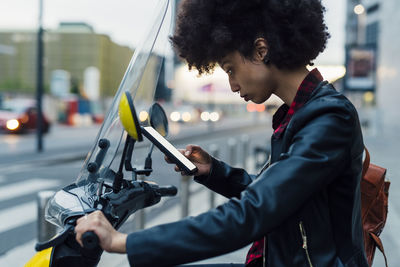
[366,162]
[379,245]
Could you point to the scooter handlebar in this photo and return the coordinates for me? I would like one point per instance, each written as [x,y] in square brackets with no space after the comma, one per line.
[90,240]
[169,190]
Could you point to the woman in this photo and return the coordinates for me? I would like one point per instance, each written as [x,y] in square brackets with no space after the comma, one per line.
[303,209]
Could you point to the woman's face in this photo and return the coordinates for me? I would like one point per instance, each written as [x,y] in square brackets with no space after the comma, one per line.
[252,79]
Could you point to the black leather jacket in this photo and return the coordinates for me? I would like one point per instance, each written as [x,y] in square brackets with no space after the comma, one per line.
[307,202]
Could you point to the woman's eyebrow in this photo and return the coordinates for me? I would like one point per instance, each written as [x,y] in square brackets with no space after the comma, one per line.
[226,61]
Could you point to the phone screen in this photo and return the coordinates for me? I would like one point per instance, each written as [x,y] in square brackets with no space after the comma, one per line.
[169,150]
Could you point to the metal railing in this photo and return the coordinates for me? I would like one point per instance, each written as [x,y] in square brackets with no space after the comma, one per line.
[141,214]
[47,230]
[214,151]
[185,195]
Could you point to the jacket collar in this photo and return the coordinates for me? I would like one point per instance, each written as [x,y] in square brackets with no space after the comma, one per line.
[284,114]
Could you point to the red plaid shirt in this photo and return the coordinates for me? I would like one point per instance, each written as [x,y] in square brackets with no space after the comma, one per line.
[280,120]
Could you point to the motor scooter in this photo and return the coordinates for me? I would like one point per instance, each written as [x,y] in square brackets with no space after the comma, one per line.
[117,199]
[108,179]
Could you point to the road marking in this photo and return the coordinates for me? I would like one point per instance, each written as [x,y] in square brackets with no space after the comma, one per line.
[17,216]
[25,187]
[20,255]
[13,168]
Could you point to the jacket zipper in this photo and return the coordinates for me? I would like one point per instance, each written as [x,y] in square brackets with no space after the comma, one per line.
[305,247]
[266,166]
[265,243]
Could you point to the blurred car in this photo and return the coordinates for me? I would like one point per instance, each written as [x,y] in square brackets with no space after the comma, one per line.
[211,115]
[184,114]
[20,116]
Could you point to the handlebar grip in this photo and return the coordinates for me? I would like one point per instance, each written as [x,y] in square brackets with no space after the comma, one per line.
[90,240]
[167,190]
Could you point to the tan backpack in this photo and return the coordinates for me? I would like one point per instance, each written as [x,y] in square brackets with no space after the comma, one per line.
[374,206]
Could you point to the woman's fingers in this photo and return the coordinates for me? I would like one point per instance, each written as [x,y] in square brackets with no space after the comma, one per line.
[78,238]
[87,223]
[110,239]
[80,228]
[177,169]
[168,160]
[197,155]
[189,150]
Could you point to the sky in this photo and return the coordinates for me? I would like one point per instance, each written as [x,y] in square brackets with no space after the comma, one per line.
[126,21]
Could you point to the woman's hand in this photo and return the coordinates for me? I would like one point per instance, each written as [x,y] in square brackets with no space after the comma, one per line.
[198,156]
[110,239]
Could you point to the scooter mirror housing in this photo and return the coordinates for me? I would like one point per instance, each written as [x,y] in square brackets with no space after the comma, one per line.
[158,119]
[128,117]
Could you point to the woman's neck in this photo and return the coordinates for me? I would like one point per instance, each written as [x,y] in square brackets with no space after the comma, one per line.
[288,82]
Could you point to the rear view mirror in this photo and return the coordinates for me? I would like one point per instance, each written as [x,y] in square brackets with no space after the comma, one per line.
[158,119]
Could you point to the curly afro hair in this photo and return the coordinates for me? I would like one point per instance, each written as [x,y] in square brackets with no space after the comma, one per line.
[208,30]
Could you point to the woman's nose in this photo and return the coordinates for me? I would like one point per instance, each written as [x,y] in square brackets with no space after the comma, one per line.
[234,86]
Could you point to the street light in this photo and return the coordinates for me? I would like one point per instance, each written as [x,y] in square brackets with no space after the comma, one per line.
[39,85]
[359,9]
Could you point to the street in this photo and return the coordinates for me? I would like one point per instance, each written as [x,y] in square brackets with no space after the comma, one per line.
[23,173]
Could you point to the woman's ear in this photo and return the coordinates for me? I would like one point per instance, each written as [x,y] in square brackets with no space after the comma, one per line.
[260,49]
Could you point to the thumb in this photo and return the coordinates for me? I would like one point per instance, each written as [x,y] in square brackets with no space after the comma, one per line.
[188,151]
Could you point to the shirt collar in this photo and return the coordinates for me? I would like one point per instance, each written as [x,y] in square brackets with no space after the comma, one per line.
[283,115]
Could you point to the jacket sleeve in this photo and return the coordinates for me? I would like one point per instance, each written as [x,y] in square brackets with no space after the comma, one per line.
[315,157]
[225,180]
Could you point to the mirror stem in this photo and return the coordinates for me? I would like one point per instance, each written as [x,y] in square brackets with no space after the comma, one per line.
[119,175]
[128,156]
[148,161]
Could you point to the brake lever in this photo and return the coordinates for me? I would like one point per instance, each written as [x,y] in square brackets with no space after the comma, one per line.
[57,240]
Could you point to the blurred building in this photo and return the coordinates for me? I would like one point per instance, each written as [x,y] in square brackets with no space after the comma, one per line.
[82,71]
[373,24]
[72,47]
[363,21]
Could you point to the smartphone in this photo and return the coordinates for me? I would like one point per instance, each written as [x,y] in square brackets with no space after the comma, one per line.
[169,150]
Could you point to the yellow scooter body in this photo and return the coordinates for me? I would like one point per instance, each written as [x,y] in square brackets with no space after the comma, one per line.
[41,259]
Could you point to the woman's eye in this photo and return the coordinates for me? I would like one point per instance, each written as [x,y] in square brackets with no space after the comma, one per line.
[229,72]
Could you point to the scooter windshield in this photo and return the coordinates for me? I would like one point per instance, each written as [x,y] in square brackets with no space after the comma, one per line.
[65,204]
[140,79]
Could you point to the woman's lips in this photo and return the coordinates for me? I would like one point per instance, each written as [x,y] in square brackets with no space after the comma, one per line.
[246,98]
